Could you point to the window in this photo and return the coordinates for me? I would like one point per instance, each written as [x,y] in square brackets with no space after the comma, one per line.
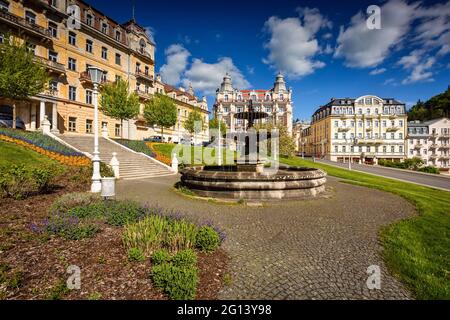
[392,136]
[53,86]
[72,64]
[88,126]
[72,38]
[400,136]
[53,28]
[72,93]
[138,67]
[88,96]
[400,123]
[89,20]
[360,111]
[336,124]
[89,46]
[336,149]
[368,111]
[360,124]
[392,149]
[104,27]
[384,124]
[118,59]
[53,56]
[118,78]
[4,5]
[30,17]
[147,70]
[384,149]
[72,124]
[225,98]
[281,97]
[117,130]
[104,53]
[118,36]
[384,136]
[336,135]
[31,48]
[54,3]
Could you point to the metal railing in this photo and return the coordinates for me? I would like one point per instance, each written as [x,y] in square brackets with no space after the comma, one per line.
[22,22]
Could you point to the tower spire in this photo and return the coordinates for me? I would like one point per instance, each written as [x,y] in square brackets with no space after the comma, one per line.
[133,4]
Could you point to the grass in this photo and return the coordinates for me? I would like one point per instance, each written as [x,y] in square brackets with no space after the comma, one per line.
[14,154]
[166,149]
[417,249]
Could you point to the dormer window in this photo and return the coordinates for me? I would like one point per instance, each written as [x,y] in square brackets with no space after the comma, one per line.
[104,27]
[89,20]
[142,45]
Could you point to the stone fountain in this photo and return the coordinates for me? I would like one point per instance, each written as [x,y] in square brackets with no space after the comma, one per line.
[248,179]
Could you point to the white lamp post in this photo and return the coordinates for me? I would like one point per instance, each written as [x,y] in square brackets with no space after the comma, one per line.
[96,75]
[219,151]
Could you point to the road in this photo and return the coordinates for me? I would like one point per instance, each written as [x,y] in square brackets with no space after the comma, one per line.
[435,181]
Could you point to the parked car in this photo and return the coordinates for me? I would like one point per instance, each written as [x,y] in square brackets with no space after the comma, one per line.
[6,121]
[155,139]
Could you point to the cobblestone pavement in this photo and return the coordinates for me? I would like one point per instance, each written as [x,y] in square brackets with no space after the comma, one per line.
[316,249]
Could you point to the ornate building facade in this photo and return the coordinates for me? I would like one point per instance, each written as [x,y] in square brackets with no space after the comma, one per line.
[364,130]
[276,102]
[67,49]
[430,141]
[300,136]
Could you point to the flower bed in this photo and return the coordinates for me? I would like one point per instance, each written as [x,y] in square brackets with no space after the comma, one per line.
[136,145]
[158,156]
[45,146]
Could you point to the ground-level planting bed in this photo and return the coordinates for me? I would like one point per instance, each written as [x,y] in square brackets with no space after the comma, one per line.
[36,251]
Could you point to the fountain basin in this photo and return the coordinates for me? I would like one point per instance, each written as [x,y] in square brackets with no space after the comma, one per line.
[228,182]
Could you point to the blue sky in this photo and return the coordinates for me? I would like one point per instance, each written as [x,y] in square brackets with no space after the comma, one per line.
[324,48]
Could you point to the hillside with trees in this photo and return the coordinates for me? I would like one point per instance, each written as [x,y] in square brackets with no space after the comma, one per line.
[437,107]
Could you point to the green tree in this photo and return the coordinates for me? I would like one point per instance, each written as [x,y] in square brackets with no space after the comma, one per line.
[116,102]
[194,123]
[214,124]
[437,107]
[286,141]
[21,76]
[161,111]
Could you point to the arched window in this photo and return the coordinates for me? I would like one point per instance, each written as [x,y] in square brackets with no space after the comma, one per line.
[360,111]
[226,97]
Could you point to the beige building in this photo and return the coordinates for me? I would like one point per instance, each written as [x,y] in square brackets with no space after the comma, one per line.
[430,141]
[276,102]
[67,47]
[364,130]
[300,136]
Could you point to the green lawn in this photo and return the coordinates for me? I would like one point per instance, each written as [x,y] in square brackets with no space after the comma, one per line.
[418,249]
[13,154]
[166,149]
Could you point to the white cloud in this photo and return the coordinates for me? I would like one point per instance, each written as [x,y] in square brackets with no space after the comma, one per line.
[150,33]
[362,47]
[421,72]
[250,70]
[389,81]
[293,44]
[377,71]
[327,35]
[207,77]
[176,63]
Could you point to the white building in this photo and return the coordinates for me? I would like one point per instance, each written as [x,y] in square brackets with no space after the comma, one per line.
[276,102]
[430,141]
[365,130]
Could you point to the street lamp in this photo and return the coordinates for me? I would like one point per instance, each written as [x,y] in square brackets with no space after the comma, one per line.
[96,75]
[219,151]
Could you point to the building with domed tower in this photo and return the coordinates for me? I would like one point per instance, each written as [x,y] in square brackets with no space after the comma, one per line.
[276,102]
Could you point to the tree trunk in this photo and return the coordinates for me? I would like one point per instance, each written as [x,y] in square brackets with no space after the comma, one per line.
[162,134]
[14,116]
[121,128]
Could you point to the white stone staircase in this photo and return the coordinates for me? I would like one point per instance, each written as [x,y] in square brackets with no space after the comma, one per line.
[132,166]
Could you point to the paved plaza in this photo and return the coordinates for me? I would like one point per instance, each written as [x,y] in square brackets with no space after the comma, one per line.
[316,249]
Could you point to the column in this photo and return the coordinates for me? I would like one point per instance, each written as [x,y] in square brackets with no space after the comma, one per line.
[33,117]
[41,113]
[54,118]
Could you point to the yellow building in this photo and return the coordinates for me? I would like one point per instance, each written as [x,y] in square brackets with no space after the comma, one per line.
[364,130]
[68,45]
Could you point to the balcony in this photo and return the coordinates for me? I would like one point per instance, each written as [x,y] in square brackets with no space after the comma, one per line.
[85,78]
[52,66]
[144,75]
[369,141]
[392,129]
[344,129]
[434,146]
[444,147]
[369,128]
[433,156]
[23,24]
[445,135]
[142,94]
[444,157]
[418,146]
[143,54]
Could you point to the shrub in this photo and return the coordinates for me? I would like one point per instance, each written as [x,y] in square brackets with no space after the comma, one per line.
[207,239]
[185,258]
[69,227]
[161,256]
[72,200]
[136,254]
[155,232]
[430,169]
[120,213]
[138,146]
[179,283]
[43,177]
